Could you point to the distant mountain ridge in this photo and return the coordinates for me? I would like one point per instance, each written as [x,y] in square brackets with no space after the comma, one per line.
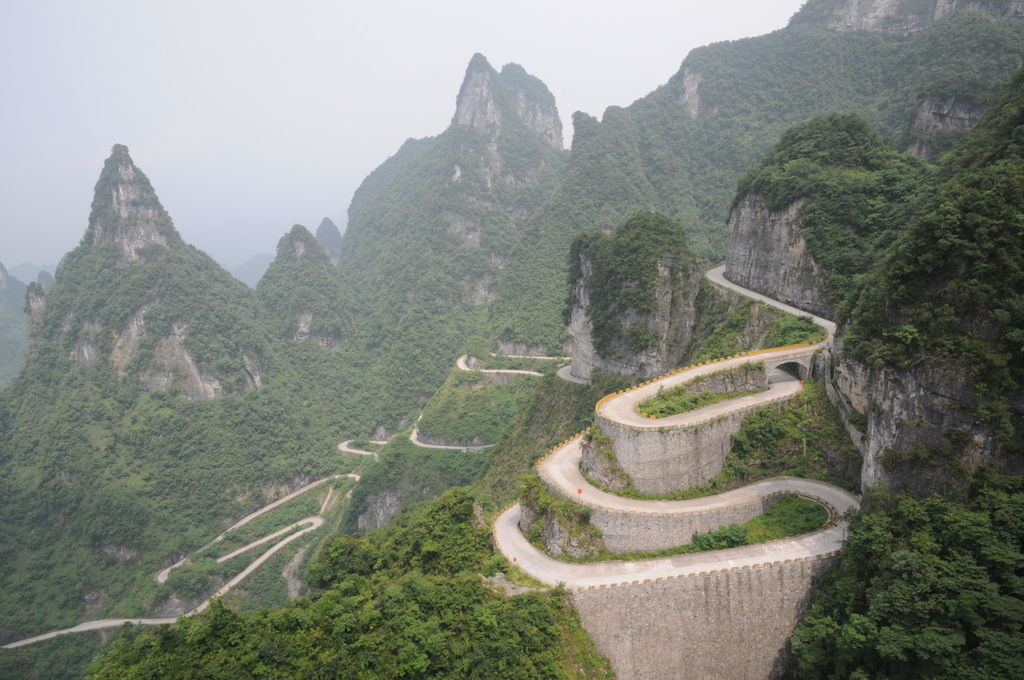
[898,16]
[430,230]
[681,149]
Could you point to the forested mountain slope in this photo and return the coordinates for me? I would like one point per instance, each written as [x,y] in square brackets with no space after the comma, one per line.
[940,323]
[819,212]
[301,292]
[928,366]
[429,230]
[150,409]
[681,149]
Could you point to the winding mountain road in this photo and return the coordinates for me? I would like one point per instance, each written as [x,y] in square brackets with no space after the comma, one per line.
[314,523]
[463,364]
[560,469]
[345,448]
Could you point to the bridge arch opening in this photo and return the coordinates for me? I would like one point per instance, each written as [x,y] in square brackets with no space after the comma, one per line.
[790,370]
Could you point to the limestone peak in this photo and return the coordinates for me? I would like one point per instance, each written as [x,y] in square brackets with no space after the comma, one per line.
[488,98]
[534,103]
[126,210]
[328,235]
[477,104]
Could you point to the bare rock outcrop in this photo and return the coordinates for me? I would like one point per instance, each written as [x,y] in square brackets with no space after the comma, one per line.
[379,510]
[938,122]
[917,415]
[125,209]
[691,97]
[35,300]
[909,16]
[768,254]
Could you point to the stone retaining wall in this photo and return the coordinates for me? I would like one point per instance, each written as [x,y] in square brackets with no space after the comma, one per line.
[630,532]
[733,624]
[660,461]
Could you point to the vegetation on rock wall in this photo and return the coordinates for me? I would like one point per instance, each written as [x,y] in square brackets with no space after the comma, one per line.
[681,149]
[13,327]
[427,234]
[858,194]
[301,281]
[626,272]
[950,293]
[328,236]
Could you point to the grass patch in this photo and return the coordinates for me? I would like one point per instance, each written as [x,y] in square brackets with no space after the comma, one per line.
[675,401]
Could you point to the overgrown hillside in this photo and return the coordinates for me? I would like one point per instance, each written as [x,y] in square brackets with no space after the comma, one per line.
[929,366]
[853,194]
[681,149]
[403,602]
[951,293]
[430,229]
[301,292]
[153,406]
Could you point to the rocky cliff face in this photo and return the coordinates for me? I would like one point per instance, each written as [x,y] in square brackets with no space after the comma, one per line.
[134,294]
[487,96]
[533,103]
[35,301]
[633,303]
[908,16]
[125,209]
[670,326]
[768,254]
[486,103]
[560,537]
[915,417]
[940,121]
[380,509]
[691,99]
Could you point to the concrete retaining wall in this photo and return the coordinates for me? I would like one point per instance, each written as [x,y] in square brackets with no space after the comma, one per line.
[661,461]
[650,532]
[725,625]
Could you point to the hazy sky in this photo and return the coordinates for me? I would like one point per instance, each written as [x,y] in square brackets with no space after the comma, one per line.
[249,117]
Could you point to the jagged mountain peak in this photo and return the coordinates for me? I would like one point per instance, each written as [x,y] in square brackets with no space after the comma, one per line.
[478,105]
[328,235]
[301,291]
[300,242]
[126,210]
[3,276]
[534,103]
[488,98]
